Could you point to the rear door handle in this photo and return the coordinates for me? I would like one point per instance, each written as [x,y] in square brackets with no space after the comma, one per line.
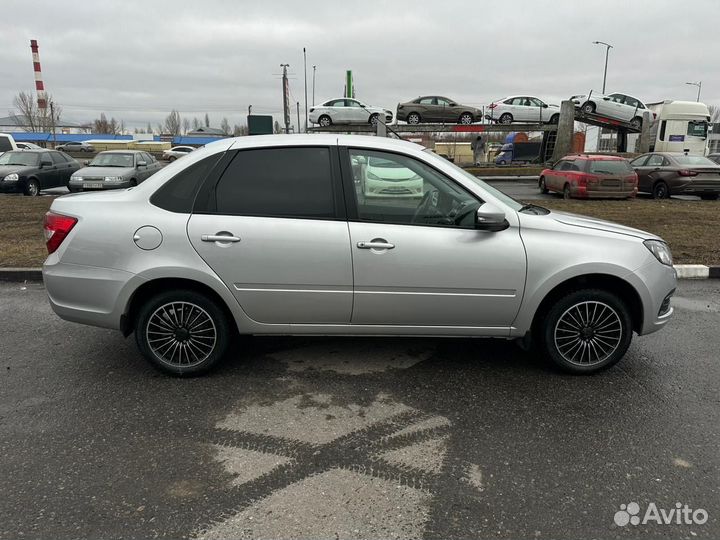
[375,244]
[219,238]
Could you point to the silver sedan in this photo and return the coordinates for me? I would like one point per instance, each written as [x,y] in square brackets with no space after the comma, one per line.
[274,235]
[114,169]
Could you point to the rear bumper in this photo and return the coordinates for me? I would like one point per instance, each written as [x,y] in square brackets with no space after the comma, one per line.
[582,192]
[80,186]
[86,294]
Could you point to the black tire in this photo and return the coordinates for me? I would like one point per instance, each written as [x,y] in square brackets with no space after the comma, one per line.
[172,158]
[588,107]
[325,121]
[413,118]
[709,196]
[32,188]
[660,190]
[555,119]
[501,162]
[198,306]
[543,188]
[505,118]
[636,123]
[594,321]
[133,182]
[373,119]
[466,119]
[566,192]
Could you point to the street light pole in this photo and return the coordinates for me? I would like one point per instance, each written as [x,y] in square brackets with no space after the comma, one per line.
[607,52]
[306,109]
[314,67]
[699,85]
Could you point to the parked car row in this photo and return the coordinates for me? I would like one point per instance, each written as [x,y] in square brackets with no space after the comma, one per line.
[660,174]
[31,171]
[518,108]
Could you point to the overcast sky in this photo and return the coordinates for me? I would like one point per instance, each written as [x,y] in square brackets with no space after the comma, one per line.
[138,60]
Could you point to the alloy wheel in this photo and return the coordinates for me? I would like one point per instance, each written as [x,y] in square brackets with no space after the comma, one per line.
[181,334]
[588,333]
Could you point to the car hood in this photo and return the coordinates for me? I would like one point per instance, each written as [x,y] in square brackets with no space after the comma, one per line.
[585,222]
[9,169]
[104,171]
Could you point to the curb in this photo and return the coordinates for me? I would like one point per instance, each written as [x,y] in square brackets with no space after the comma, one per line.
[684,271]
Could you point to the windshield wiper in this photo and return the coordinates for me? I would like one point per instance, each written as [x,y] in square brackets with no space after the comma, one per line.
[530,206]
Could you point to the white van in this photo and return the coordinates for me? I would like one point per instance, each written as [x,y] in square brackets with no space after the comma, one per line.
[7,143]
[680,126]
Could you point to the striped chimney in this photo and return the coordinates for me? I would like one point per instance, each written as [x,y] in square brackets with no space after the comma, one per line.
[39,86]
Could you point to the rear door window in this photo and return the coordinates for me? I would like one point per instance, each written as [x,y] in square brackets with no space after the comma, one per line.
[57,158]
[278,182]
[655,161]
[5,144]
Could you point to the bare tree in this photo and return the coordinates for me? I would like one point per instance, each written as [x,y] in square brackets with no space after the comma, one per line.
[186,125]
[225,126]
[207,120]
[102,125]
[149,129]
[33,118]
[714,114]
[196,123]
[240,131]
[277,127]
[173,123]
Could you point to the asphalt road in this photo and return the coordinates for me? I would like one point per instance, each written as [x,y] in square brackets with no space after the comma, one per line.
[353,438]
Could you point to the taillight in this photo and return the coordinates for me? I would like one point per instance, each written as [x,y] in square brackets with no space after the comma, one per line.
[400,106]
[56,227]
[492,105]
[686,172]
[585,179]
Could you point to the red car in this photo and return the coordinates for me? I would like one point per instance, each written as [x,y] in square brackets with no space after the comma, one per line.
[590,177]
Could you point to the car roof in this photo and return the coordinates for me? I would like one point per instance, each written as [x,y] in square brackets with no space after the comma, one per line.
[595,157]
[121,151]
[320,139]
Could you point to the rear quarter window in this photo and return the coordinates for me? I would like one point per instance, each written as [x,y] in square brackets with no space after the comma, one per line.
[178,194]
[5,144]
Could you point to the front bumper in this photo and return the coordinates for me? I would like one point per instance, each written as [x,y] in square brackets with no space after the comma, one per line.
[10,187]
[656,283]
[96,185]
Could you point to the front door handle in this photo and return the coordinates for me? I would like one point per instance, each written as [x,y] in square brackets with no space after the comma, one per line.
[375,244]
[219,238]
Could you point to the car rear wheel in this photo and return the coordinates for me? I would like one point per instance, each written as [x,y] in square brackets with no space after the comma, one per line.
[542,186]
[566,192]
[555,118]
[373,119]
[413,118]
[324,120]
[588,107]
[586,331]
[466,118]
[32,188]
[709,197]
[172,158]
[506,118]
[636,123]
[660,190]
[182,332]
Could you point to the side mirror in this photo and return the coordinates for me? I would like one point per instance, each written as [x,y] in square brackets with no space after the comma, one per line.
[142,164]
[490,218]
[545,105]
[453,104]
[86,162]
[45,163]
[606,98]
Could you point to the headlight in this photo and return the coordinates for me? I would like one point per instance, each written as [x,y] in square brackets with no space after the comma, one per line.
[372,176]
[12,177]
[78,178]
[113,178]
[660,250]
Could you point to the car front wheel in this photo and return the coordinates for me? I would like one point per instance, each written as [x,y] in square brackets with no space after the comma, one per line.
[586,331]
[182,332]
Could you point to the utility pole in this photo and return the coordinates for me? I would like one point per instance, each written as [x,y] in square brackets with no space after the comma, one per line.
[699,86]
[306,109]
[298,112]
[607,52]
[249,110]
[314,67]
[52,122]
[286,98]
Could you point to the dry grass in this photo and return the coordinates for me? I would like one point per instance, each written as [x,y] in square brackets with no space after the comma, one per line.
[692,228]
[21,234]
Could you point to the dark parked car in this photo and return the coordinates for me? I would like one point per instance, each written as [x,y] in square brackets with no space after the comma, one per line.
[437,109]
[590,177]
[31,171]
[666,173]
[715,158]
[75,147]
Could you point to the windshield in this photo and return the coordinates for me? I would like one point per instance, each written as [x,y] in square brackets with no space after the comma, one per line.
[18,158]
[610,166]
[697,128]
[112,160]
[385,163]
[695,161]
[512,203]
